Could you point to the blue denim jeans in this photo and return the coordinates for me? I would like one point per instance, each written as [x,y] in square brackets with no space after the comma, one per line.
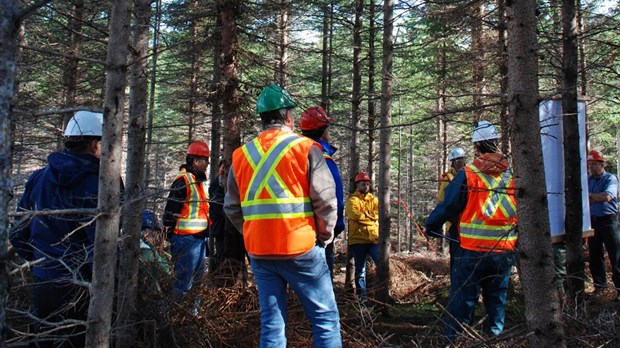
[474,271]
[360,252]
[308,276]
[188,255]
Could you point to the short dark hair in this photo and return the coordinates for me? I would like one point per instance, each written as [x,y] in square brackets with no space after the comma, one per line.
[273,117]
[488,146]
[79,144]
[314,133]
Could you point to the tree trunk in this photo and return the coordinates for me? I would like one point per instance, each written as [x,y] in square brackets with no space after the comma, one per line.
[385,145]
[542,311]
[9,23]
[230,111]
[104,266]
[194,71]
[326,56]
[371,87]
[70,74]
[572,158]
[283,29]
[151,112]
[479,63]
[134,193]
[216,98]
[583,72]
[356,96]
[503,74]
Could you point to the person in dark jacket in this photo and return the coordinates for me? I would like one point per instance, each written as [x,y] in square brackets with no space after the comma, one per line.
[217,191]
[314,124]
[186,218]
[60,246]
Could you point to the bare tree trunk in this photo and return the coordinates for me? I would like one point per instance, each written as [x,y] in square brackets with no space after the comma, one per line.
[70,74]
[230,110]
[326,56]
[134,195]
[385,145]
[542,311]
[151,111]
[356,93]
[479,63]
[9,23]
[503,74]
[356,100]
[283,29]
[194,71]
[371,87]
[215,98]
[106,234]
[572,160]
[583,72]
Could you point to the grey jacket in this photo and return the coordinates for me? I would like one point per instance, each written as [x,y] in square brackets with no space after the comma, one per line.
[322,195]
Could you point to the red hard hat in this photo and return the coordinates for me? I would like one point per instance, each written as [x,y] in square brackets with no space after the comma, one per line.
[595,155]
[314,118]
[198,148]
[361,177]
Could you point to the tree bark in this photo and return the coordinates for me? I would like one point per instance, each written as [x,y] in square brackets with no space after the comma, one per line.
[134,193]
[326,56]
[572,159]
[151,110]
[9,23]
[230,112]
[503,74]
[104,266]
[283,30]
[356,96]
[542,311]
[383,266]
[194,71]
[479,63]
[371,87]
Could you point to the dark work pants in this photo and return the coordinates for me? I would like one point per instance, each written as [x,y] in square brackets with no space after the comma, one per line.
[55,301]
[606,236]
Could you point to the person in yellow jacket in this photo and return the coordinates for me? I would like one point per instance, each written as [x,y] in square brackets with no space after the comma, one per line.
[282,197]
[457,162]
[363,213]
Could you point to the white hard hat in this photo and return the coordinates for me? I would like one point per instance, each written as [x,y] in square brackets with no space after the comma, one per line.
[85,123]
[484,131]
[457,152]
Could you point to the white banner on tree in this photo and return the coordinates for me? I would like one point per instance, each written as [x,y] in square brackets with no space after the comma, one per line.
[551,135]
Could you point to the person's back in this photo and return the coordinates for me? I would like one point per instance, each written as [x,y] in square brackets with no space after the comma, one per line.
[62,244]
[281,197]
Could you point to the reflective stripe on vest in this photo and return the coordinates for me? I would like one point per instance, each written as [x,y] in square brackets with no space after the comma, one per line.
[283,204]
[193,218]
[492,227]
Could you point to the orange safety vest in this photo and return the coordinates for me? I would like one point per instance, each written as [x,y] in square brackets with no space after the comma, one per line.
[272,176]
[194,216]
[488,222]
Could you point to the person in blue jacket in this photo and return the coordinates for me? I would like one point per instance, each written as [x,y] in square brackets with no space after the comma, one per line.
[60,246]
[314,124]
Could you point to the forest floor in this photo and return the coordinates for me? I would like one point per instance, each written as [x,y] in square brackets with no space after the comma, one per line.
[229,316]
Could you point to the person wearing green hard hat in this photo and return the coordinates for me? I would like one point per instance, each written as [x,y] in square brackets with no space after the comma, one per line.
[281,196]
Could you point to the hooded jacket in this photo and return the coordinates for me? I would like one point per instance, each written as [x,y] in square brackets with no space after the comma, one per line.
[69,181]
[456,194]
[328,151]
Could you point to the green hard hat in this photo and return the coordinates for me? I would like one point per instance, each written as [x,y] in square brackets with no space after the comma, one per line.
[274,97]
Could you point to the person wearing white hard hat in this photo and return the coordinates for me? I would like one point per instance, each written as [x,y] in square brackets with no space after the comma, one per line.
[482,196]
[62,244]
[457,162]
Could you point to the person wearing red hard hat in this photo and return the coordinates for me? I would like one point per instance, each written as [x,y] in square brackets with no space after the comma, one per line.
[603,195]
[363,213]
[186,219]
[314,124]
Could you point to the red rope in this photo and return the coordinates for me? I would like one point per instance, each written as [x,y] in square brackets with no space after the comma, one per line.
[404,205]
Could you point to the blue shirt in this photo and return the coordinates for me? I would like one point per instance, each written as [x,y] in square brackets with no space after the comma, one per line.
[607,183]
[329,150]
